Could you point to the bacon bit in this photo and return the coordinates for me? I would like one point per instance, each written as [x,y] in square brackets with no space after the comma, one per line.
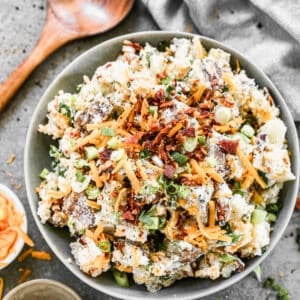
[134,45]
[162,153]
[11,159]
[25,275]
[160,96]
[24,254]
[169,171]
[166,104]
[128,216]
[105,154]
[41,255]
[229,146]
[226,102]
[190,132]
[159,137]
[175,129]
[134,139]
[298,203]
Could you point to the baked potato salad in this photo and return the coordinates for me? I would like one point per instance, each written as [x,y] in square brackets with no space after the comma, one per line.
[166,164]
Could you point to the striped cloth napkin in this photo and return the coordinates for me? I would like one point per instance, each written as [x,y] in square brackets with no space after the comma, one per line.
[266,31]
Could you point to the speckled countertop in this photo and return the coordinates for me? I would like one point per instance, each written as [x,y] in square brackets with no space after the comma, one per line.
[20,25]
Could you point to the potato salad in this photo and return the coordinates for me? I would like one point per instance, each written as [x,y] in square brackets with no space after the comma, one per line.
[167,163]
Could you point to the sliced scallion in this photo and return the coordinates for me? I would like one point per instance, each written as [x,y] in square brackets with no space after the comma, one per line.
[91,152]
[107,131]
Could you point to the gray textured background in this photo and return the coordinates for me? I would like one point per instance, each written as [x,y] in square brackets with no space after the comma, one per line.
[20,25]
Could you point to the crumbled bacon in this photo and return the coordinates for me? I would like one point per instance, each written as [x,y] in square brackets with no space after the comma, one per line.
[189,111]
[190,132]
[134,139]
[127,216]
[105,154]
[169,171]
[160,95]
[162,153]
[166,104]
[134,45]
[226,102]
[229,146]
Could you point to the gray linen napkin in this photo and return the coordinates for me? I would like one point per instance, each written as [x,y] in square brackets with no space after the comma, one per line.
[266,31]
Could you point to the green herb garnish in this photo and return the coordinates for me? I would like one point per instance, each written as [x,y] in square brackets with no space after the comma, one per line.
[79,176]
[105,246]
[107,131]
[282,293]
[121,278]
[145,153]
[181,159]
[44,173]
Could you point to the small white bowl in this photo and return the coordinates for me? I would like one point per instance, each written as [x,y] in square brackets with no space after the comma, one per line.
[42,289]
[19,208]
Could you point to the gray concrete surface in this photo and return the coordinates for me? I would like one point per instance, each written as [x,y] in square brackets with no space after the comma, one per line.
[20,25]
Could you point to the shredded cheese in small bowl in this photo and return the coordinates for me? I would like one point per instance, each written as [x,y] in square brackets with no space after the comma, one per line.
[13,226]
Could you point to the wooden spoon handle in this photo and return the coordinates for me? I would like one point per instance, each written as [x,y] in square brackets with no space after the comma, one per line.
[51,38]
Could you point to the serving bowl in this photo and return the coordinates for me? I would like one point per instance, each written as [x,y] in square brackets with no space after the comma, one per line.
[36,158]
[4,190]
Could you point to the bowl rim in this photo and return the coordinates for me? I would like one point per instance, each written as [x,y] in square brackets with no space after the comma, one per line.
[283,106]
[5,190]
[57,284]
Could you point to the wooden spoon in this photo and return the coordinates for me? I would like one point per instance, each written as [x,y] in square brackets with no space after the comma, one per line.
[66,20]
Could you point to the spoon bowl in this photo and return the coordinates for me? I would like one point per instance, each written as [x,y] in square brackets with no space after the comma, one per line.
[66,20]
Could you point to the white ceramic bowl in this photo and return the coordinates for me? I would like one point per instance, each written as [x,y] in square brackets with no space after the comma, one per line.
[19,208]
[42,289]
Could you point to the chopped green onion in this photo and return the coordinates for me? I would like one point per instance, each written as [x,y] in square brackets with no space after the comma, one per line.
[184,191]
[44,173]
[148,58]
[152,109]
[162,181]
[166,80]
[257,272]
[169,89]
[282,293]
[121,278]
[113,143]
[105,246]
[190,144]
[65,110]
[149,222]
[162,46]
[258,216]
[79,176]
[202,140]
[234,237]
[54,152]
[82,163]
[211,161]
[181,159]
[248,130]
[241,137]
[172,188]
[271,217]
[107,131]
[91,152]
[273,208]
[144,154]
[92,192]
[227,258]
